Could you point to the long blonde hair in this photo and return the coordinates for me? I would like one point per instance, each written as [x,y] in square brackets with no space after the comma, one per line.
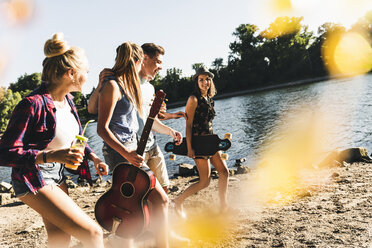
[60,57]
[127,54]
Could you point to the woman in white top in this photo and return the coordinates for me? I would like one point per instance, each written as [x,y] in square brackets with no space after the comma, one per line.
[37,144]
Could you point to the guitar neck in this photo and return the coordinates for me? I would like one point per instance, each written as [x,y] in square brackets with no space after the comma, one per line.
[145,135]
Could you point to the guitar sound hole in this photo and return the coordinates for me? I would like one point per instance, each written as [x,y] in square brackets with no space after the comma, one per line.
[127,190]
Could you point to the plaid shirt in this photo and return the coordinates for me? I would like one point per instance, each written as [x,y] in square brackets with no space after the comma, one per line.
[31,128]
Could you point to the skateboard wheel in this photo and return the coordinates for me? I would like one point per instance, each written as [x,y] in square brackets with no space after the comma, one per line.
[225,156]
[228,136]
[172,157]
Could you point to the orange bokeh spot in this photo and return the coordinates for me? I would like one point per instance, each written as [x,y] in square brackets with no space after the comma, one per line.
[18,11]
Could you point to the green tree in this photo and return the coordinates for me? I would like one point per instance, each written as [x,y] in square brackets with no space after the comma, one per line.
[176,87]
[217,64]
[79,99]
[7,105]
[81,103]
[285,49]
[246,64]
[246,42]
[317,59]
[170,84]
[197,66]
[157,82]
[364,26]
[2,93]
[26,83]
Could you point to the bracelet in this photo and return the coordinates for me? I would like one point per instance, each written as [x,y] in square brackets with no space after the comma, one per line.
[44,157]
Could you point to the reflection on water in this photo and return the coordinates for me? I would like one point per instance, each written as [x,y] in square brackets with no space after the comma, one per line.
[254,119]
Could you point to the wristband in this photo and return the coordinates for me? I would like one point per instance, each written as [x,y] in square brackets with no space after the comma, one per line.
[44,157]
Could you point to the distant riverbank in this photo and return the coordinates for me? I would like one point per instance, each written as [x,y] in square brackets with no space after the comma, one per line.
[259,89]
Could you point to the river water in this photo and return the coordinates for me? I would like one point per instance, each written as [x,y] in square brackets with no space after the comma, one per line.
[255,118]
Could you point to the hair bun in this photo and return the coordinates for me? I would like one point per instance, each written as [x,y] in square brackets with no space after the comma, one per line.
[58,36]
[55,46]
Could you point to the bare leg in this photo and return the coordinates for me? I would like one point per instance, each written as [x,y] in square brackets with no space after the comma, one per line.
[117,242]
[223,179]
[63,217]
[56,236]
[158,202]
[205,177]
[159,219]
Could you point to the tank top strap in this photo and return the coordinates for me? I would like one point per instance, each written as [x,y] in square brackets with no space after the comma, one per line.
[112,78]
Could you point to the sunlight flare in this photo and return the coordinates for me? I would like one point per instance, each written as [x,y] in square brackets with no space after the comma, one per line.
[282,26]
[288,165]
[205,227]
[282,5]
[347,54]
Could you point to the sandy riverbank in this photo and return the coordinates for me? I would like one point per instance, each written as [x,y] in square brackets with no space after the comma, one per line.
[331,208]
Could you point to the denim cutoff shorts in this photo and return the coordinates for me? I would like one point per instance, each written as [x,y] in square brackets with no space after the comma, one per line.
[112,157]
[53,174]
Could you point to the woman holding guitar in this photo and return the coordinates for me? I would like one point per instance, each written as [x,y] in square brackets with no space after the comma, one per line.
[119,101]
[200,113]
[37,144]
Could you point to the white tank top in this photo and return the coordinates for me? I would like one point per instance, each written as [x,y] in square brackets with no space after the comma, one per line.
[66,128]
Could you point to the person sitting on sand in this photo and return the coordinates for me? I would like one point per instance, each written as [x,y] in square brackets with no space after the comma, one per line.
[36,144]
[200,113]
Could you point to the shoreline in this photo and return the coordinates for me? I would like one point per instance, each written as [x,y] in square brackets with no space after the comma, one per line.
[259,89]
[248,91]
[272,87]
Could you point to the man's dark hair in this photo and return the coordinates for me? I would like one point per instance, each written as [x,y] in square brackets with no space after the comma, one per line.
[152,50]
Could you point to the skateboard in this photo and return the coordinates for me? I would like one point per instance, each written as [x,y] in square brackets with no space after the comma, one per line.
[206,145]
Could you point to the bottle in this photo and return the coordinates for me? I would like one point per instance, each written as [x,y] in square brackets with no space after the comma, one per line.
[80,143]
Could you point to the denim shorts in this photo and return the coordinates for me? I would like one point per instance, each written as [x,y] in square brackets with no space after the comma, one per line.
[53,174]
[112,157]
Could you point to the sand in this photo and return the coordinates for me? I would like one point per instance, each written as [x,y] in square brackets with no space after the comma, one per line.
[332,209]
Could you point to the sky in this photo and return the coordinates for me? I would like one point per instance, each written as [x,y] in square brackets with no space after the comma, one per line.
[191,31]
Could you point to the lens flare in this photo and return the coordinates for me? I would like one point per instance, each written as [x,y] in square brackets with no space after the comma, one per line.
[282,26]
[282,5]
[205,227]
[17,11]
[287,166]
[347,54]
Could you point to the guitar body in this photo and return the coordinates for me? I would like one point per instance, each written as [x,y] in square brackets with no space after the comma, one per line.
[126,201]
[123,209]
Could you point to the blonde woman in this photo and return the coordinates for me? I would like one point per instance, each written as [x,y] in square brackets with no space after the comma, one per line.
[37,144]
[119,101]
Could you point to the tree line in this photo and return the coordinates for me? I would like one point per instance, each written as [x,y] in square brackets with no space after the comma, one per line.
[285,51]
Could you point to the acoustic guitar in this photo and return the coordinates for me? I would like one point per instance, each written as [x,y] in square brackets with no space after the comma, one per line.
[123,209]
